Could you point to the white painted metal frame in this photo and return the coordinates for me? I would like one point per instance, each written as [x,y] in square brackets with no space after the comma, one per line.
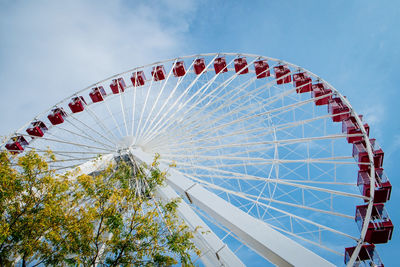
[214,251]
[151,128]
[268,242]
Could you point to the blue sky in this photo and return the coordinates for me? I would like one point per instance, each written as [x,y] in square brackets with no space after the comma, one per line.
[50,49]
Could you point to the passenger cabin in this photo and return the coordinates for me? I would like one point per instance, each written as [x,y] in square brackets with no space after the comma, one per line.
[158,73]
[97,94]
[282,74]
[138,78]
[339,109]
[350,126]
[57,116]
[360,154]
[241,66]
[16,144]
[118,86]
[380,227]
[317,91]
[199,66]
[302,82]
[367,256]
[220,65]
[179,69]
[37,129]
[77,104]
[383,188]
[261,68]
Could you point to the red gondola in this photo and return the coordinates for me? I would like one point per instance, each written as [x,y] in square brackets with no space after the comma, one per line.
[77,104]
[199,65]
[367,255]
[179,69]
[138,78]
[57,116]
[241,66]
[284,72]
[97,94]
[261,68]
[319,90]
[117,86]
[380,227]
[336,106]
[302,82]
[220,65]
[37,129]
[360,154]
[158,73]
[16,144]
[383,187]
[350,126]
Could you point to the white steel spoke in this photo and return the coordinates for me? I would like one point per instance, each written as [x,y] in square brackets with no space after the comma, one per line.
[221,87]
[160,111]
[333,160]
[239,108]
[245,117]
[294,183]
[73,143]
[200,91]
[272,142]
[66,152]
[134,104]
[112,115]
[284,182]
[87,126]
[142,129]
[144,105]
[256,199]
[74,159]
[265,132]
[122,108]
[102,125]
[86,137]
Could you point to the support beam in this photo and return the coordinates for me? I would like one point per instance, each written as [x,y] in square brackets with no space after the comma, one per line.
[266,241]
[216,252]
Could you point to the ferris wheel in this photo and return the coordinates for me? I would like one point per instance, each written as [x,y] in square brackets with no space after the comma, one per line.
[270,158]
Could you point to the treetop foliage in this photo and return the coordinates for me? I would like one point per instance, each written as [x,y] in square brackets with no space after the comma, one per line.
[110,217]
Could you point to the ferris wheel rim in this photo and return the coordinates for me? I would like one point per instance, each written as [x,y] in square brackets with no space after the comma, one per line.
[335,91]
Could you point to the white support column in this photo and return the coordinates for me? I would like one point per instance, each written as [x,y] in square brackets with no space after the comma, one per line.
[215,252]
[266,241]
[95,164]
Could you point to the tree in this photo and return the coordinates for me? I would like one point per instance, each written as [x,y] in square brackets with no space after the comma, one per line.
[32,202]
[110,217]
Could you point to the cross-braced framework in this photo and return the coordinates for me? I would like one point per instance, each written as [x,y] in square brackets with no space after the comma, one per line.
[268,140]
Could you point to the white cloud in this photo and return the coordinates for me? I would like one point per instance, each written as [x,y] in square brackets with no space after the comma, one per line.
[51,49]
[393,147]
[374,115]
[396,141]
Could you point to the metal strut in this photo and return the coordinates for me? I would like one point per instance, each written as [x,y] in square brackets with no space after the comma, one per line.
[266,241]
